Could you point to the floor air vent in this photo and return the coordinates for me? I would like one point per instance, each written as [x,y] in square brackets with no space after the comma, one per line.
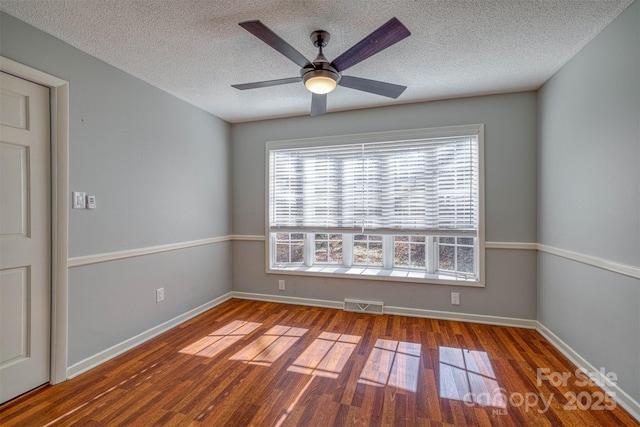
[374,307]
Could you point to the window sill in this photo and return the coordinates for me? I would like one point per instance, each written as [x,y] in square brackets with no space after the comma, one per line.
[364,273]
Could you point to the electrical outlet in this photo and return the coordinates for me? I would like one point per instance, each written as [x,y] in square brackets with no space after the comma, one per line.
[281,285]
[160,295]
[455,298]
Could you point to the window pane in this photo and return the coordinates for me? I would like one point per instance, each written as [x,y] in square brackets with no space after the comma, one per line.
[321,236]
[401,257]
[335,236]
[360,253]
[446,258]
[418,239]
[360,237]
[465,241]
[335,251]
[321,251]
[297,236]
[417,255]
[375,253]
[297,253]
[282,236]
[401,238]
[282,253]
[448,240]
[465,259]
[375,237]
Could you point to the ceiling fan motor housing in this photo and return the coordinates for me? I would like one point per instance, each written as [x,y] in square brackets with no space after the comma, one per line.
[322,69]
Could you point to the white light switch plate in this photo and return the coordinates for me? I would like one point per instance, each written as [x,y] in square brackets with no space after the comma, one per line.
[79,200]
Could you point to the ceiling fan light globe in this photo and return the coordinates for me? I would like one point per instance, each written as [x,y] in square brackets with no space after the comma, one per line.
[320,84]
[320,80]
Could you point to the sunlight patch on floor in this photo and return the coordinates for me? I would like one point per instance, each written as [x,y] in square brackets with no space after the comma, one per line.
[467,375]
[267,348]
[221,339]
[326,356]
[393,363]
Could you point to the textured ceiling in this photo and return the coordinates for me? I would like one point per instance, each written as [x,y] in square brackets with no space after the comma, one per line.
[194,49]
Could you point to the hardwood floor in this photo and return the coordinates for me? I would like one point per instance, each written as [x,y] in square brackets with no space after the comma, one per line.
[248,363]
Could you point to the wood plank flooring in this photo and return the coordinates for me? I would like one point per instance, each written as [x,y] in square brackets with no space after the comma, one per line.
[248,363]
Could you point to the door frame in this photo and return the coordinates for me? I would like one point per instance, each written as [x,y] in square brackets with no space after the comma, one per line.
[59,100]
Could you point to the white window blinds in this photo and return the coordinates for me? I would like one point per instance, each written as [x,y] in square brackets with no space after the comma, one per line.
[400,187]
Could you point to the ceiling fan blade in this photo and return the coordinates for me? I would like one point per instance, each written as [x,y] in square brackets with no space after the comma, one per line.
[372,86]
[262,32]
[318,104]
[388,34]
[267,83]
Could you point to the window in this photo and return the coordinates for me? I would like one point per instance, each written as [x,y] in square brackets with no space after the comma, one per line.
[328,248]
[456,254]
[289,248]
[404,205]
[410,251]
[367,249]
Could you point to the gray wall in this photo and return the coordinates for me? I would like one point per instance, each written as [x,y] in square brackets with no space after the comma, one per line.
[589,200]
[160,169]
[510,197]
[166,172]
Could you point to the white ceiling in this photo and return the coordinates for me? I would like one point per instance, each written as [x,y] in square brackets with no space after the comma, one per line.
[195,49]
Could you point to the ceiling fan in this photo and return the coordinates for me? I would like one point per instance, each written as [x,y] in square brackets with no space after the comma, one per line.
[321,76]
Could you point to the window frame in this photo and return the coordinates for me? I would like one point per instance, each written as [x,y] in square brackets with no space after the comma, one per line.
[311,269]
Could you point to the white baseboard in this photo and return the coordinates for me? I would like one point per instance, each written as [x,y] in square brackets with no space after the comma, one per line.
[287,300]
[462,317]
[613,390]
[108,354]
[413,312]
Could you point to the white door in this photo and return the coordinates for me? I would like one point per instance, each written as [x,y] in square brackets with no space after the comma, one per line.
[25,236]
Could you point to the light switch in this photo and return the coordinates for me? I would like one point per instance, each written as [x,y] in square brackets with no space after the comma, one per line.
[79,200]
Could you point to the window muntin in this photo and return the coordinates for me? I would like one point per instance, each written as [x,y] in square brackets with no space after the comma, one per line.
[408,192]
